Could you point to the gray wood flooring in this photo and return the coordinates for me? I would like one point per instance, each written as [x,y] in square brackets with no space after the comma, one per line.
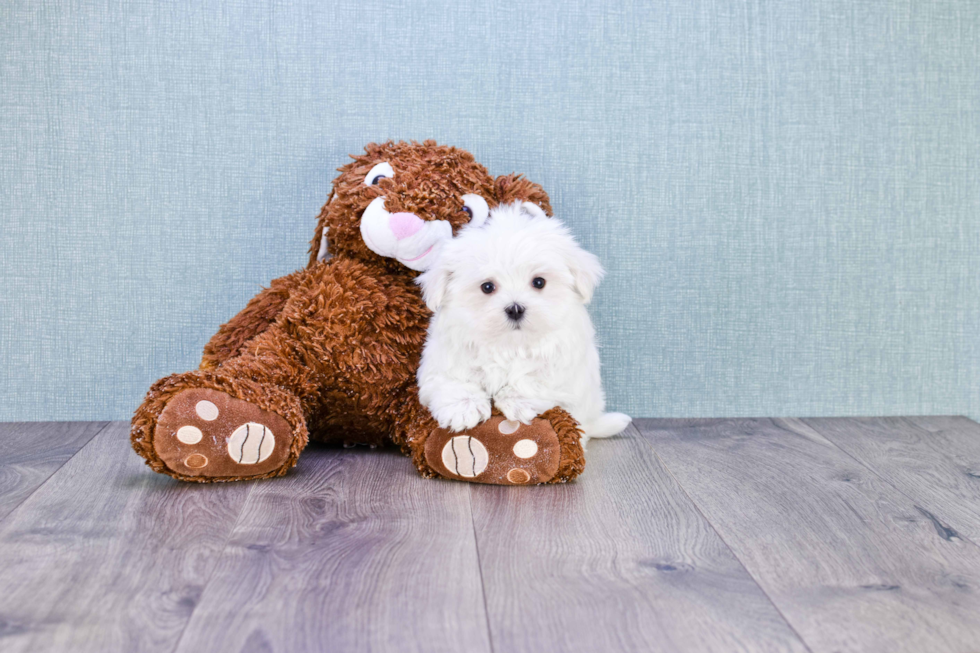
[821,535]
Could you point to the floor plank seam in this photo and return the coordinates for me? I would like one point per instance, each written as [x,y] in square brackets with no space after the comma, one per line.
[105,425]
[218,556]
[721,538]
[479,566]
[915,502]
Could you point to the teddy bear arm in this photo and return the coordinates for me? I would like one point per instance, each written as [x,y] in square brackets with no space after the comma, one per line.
[253,320]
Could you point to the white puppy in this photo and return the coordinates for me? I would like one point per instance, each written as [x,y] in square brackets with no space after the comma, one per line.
[510,325]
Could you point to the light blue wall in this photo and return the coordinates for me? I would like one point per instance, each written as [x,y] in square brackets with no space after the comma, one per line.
[786,194]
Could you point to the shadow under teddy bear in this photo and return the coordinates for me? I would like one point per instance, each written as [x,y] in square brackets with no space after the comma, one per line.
[330,352]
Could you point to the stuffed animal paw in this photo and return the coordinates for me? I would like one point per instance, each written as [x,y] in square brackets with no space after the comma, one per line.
[500,451]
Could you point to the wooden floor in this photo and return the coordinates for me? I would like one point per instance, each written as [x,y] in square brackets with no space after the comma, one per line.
[819,535]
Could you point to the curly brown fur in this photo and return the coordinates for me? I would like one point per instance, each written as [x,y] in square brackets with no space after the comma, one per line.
[260,312]
[334,347]
[572,460]
[515,187]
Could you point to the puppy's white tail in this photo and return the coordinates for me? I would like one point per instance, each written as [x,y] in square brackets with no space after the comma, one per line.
[607,424]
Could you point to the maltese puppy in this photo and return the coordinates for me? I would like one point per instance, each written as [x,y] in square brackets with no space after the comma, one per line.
[510,325]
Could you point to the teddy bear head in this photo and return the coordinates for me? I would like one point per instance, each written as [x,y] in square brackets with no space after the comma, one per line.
[398,202]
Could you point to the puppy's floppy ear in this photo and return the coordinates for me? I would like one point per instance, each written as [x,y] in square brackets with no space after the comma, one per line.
[514,187]
[533,210]
[586,271]
[434,283]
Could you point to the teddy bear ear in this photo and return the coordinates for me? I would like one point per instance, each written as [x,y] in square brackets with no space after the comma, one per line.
[318,246]
[514,187]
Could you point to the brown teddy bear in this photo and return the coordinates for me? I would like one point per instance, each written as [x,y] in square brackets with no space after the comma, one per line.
[331,351]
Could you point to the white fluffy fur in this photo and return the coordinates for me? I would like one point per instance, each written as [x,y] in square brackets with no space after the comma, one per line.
[474,354]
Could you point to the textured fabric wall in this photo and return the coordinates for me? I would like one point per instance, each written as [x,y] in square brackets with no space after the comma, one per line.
[786,194]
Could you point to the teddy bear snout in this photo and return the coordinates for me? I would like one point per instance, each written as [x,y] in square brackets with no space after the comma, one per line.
[404,225]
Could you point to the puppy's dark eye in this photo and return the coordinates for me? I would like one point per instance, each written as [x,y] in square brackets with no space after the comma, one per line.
[468,211]
[538,282]
[488,288]
[374,182]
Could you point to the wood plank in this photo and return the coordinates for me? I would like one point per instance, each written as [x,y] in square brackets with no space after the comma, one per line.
[356,552]
[848,559]
[933,460]
[32,451]
[620,560]
[109,556]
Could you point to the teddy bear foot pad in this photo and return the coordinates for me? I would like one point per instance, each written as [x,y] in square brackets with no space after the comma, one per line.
[206,433]
[498,452]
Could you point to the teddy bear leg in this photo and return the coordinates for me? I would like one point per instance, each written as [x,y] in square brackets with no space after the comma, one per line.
[500,452]
[220,425]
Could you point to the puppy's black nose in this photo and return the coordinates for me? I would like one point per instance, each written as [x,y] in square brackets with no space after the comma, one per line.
[515,312]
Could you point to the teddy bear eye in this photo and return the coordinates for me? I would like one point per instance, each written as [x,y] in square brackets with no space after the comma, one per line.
[538,282]
[488,287]
[381,171]
[477,208]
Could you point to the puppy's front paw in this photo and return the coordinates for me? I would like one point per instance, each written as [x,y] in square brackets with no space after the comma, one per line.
[521,409]
[463,414]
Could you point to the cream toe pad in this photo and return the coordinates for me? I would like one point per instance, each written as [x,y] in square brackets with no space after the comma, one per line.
[509,426]
[525,448]
[206,411]
[189,434]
